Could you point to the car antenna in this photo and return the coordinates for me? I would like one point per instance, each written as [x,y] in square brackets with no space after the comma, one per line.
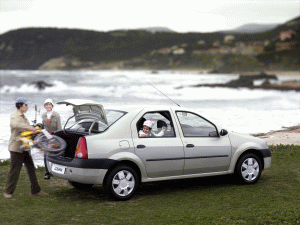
[163,94]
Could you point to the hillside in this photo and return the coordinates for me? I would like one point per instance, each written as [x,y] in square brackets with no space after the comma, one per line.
[253,28]
[157,29]
[51,48]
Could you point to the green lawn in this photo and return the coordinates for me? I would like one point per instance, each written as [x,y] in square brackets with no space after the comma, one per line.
[274,199]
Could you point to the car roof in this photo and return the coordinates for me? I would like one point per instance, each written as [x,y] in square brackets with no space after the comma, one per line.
[133,108]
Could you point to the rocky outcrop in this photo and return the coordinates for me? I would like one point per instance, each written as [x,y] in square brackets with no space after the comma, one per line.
[41,85]
[54,64]
[65,63]
[247,81]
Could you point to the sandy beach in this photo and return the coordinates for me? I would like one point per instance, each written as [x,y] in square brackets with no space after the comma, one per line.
[286,136]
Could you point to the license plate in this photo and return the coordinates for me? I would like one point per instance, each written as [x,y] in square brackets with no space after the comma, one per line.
[58,169]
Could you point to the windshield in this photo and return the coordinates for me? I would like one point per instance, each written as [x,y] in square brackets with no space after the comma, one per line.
[96,126]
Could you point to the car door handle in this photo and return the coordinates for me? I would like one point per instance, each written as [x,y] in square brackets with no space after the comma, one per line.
[141,146]
[190,146]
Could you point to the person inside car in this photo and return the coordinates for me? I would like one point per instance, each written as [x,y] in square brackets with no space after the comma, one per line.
[147,127]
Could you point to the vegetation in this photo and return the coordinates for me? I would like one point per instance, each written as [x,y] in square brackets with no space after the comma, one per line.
[215,200]
[32,47]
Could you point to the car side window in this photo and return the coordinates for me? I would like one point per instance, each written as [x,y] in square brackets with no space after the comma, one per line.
[193,125]
[162,125]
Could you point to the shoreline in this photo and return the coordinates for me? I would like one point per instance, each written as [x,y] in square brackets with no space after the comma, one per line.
[200,71]
[285,136]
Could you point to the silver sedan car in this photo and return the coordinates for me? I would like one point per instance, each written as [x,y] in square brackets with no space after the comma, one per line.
[121,147]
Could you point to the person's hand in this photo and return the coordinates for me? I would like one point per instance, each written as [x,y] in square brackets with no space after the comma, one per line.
[143,135]
[34,130]
[164,128]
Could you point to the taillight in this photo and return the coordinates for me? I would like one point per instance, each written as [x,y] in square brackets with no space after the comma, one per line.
[81,149]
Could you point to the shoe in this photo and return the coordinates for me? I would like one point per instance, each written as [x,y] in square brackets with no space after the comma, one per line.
[40,194]
[47,177]
[7,195]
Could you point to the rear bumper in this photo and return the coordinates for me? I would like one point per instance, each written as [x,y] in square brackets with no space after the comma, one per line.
[86,171]
[82,163]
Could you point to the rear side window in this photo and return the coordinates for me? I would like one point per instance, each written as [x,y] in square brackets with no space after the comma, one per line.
[193,125]
[113,115]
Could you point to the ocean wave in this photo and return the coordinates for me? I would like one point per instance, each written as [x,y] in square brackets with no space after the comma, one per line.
[32,88]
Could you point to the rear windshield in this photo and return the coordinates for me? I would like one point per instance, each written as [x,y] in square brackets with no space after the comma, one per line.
[94,126]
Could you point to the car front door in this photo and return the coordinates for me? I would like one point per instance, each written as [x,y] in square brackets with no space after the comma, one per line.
[162,155]
[205,150]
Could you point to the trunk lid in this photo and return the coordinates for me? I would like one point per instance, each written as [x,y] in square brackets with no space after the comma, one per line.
[86,109]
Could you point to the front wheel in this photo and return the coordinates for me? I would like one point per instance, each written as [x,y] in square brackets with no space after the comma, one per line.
[249,168]
[121,183]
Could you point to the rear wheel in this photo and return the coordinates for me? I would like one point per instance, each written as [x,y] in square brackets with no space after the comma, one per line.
[80,186]
[249,168]
[121,183]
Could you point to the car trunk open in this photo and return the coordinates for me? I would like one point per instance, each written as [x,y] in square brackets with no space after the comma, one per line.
[71,138]
[82,109]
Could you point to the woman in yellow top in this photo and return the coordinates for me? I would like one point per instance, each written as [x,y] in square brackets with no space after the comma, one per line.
[51,122]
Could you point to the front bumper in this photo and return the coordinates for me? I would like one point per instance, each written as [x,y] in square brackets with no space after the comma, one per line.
[267,162]
[86,171]
[266,153]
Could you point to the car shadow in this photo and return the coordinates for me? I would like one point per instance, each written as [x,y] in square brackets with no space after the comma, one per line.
[147,189]
[156,188]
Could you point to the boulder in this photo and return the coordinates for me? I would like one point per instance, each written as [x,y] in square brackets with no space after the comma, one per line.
[41,85]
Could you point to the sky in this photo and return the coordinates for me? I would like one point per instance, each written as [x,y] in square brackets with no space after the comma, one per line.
[180,16]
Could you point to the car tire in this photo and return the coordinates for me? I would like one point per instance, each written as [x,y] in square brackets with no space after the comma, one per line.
[121,183]
[81,186]
[249,168]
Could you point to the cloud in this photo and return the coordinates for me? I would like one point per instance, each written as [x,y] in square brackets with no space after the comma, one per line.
[15,5]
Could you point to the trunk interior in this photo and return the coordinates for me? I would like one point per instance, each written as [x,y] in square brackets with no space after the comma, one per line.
[71,138]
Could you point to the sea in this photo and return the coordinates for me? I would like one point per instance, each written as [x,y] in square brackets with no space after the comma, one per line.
[237,109]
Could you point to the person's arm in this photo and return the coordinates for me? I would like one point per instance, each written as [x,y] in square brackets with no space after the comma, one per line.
[43,122]
[18,123]
[142,134]
[161,133]
[58,125]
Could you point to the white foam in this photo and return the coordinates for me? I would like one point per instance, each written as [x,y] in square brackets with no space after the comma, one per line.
[58,86]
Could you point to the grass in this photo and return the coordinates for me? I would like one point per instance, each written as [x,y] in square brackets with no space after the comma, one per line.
[274,199]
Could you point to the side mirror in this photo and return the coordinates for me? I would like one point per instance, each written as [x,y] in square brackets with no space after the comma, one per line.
[223,132]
